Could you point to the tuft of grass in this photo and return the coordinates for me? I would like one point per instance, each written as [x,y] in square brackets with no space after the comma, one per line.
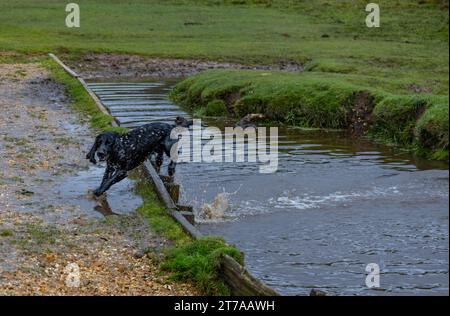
[417,121]
[432,129]
[199,261]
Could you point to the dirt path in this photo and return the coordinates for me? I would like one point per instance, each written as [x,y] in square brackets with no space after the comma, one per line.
[132,66]
[52,242]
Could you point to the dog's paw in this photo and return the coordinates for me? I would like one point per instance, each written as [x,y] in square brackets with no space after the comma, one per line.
[98,193]
[91,158]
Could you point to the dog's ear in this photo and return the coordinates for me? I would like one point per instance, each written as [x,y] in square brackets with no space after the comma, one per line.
[110,139]
[91,154]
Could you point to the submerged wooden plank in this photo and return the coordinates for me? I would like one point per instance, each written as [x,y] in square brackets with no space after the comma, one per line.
[174,191]
[185,208]
[189,216]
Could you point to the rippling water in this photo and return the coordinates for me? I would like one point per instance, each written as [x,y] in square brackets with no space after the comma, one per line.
[334,206]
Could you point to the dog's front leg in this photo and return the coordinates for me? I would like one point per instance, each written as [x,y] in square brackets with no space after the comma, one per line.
[118,176]
[107,175]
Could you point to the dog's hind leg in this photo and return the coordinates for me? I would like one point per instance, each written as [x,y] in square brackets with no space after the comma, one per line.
[171,168]
[168,146]
[159,159]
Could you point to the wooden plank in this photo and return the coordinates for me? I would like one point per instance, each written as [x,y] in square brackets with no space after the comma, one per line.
[165,179]
[67,69]
[187,226]
[174,191]
[168,202]
[185,208]
[159,185]
[189,216]
[240,281]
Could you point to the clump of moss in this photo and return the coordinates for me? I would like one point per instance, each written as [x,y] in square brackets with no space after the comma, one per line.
[199,261]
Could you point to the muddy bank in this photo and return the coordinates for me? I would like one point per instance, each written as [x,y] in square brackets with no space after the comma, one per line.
[133,66]
[48,225]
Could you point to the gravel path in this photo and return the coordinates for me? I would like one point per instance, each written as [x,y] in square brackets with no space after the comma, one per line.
[51,244]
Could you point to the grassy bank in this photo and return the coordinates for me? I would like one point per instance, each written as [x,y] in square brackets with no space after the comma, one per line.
[408,53]
[417,121]
[187,259]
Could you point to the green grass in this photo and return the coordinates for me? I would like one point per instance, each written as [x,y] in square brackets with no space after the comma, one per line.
[409,51]
[199,261]
[418,122]
[187,259]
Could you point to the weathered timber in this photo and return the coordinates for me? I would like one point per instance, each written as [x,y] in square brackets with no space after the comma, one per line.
[185,224]
[240,281]
[189,216]
[185,208]
[159,186]
[166,179]
[174,191]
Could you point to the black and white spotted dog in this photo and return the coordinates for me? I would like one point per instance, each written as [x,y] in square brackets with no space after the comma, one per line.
[123,153]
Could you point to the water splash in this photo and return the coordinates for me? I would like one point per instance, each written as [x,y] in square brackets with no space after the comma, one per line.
[217,209]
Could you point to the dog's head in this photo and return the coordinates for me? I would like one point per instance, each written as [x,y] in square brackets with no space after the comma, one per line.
[103,147]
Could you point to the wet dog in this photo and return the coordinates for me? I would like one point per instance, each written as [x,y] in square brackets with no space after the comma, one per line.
[123,153]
